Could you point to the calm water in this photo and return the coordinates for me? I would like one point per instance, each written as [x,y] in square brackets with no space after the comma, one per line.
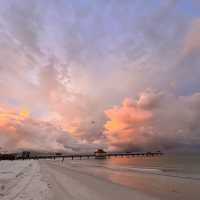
[174,165]
[189,164]
[174,177]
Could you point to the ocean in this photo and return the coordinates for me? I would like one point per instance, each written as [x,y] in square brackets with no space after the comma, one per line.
[173,163]
[174,176]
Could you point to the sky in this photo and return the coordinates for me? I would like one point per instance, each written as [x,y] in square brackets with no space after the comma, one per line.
[86,74]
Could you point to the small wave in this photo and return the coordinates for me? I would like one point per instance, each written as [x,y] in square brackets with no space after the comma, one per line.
[173,173]
[140,169]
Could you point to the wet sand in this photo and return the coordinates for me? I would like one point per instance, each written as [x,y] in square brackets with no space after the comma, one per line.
[92,181]
[68,183]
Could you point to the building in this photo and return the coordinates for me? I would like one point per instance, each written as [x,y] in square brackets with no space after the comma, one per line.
[100,154]
[7,156]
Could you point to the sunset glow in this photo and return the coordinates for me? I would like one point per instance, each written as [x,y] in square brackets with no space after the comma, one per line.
[99,74]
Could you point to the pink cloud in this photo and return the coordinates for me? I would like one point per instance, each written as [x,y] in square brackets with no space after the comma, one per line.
[154,121]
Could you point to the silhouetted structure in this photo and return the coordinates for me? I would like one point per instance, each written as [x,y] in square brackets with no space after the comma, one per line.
[100,154]
[7,156]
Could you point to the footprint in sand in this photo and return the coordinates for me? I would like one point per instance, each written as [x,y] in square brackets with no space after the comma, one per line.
[2,187]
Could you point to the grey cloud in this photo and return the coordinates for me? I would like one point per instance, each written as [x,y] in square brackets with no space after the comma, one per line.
[22,20]
[171,123]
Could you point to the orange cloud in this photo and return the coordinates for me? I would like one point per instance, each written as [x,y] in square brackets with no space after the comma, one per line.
[125,121]
[154,121]
[24,113]
[8,115]
[10,119]
[19,130]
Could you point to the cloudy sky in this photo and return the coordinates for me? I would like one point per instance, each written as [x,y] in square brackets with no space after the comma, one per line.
[80,75]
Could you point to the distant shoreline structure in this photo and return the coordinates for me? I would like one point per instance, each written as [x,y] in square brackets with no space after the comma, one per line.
[98,154]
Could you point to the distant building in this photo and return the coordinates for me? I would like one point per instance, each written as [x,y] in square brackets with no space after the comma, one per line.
[7,156]
[100,154]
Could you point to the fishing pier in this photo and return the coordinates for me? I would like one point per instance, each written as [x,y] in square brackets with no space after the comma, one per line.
[99,154]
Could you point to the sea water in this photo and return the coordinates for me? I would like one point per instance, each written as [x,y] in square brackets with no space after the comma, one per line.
[173,176]
[188,164]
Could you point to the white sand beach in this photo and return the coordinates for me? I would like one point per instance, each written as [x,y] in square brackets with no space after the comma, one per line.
[78,180]
[21,180]
[51,180]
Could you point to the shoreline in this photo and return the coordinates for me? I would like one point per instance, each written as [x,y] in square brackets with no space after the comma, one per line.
[148,184]
[72,183]
[57,180]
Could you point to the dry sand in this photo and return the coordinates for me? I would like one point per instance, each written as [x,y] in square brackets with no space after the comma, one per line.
[21,180]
